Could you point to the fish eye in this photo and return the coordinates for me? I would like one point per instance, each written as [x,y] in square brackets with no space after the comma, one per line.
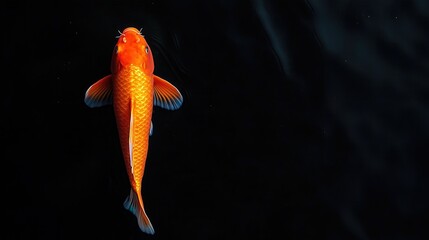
[146,49]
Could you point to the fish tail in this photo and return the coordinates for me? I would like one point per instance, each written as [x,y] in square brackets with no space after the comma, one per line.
[134,203]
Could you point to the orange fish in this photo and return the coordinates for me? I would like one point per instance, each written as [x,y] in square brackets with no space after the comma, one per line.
[134,89]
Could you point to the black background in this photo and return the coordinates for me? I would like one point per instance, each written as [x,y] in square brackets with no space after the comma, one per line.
[301,120]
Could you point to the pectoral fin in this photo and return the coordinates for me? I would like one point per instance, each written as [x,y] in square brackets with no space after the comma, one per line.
[166,95]
[100,93]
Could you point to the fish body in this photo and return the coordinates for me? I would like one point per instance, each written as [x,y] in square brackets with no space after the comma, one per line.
[134,90]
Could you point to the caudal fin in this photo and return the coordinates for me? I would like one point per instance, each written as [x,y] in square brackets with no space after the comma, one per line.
[132,203]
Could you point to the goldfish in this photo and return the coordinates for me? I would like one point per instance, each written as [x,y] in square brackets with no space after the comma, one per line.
[133,89]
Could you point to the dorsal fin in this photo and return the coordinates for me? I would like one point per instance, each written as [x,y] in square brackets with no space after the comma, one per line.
[131,135]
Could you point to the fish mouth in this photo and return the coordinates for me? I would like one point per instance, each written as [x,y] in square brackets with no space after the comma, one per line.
[132,29]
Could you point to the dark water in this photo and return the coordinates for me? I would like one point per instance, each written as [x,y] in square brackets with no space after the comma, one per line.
[301,120]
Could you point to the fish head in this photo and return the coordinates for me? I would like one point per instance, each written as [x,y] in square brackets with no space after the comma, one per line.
[132,49]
